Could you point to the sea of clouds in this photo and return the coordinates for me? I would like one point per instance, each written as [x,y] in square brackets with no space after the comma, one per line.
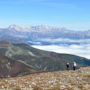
[82,49]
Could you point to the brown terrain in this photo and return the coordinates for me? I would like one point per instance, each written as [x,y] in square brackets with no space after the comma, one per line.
[59,80]
[10,67]
[5,44]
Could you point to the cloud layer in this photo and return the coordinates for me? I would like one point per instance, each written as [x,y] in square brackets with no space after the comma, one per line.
[80,50]
[80,41]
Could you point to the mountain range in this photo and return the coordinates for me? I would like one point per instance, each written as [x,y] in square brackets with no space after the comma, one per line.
[40,34]
[17,57]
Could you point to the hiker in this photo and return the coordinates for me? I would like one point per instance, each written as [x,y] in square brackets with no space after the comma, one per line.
[67,65]
[74,65]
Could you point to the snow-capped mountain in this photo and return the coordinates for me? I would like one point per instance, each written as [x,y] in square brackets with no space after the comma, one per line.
[44,34]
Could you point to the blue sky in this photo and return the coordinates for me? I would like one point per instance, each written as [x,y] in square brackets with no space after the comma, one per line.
[72,14]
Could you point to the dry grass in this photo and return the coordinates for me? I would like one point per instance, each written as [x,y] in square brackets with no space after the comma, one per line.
[60,80]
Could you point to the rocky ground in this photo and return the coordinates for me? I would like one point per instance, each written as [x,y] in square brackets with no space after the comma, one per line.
[59,80]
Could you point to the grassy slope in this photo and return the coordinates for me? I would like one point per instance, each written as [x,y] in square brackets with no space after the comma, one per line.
[60,80]
[42,60]
[50,60]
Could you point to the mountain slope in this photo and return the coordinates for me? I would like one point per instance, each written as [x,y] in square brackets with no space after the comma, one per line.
[41,60]
[9,67]
[60,80]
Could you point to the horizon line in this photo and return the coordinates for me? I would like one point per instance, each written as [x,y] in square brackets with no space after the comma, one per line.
[52,26]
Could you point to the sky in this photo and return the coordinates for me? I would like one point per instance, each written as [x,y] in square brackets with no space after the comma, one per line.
[71,14]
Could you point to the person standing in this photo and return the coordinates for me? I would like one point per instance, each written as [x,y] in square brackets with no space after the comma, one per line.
[74,65]
[67,65]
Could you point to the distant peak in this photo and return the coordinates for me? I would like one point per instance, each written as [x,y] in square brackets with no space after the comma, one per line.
[36,28]
[16,27]
[13,25]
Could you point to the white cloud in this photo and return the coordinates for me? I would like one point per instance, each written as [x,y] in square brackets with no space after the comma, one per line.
[66,40]
[80,50]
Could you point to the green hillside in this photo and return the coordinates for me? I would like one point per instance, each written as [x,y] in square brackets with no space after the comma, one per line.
[39,59]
